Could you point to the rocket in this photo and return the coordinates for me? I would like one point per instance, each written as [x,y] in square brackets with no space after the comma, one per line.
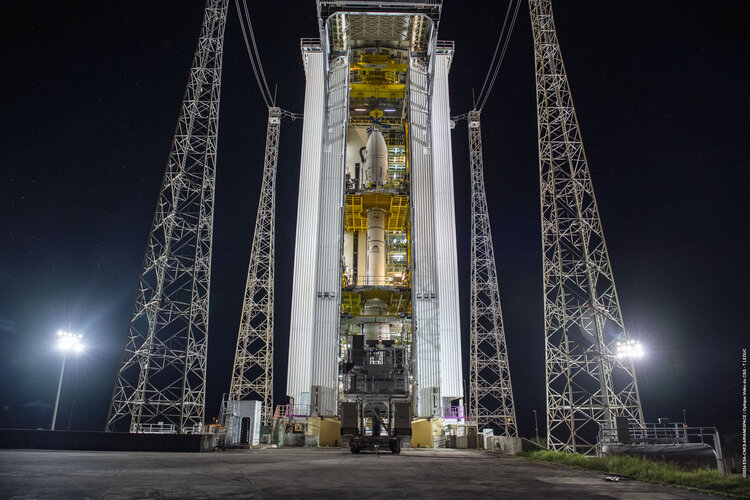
[375,176]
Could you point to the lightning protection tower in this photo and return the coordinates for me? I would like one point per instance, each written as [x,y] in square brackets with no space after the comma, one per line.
[253,362]
[587,385]
[163,370]
[491,395]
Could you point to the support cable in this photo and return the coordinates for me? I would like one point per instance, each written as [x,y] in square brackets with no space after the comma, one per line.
[494,55]
[257,54]
[496,62]
[250,54]
[486,96]
[255,61]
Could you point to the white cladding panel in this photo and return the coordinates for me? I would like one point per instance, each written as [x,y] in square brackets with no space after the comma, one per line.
[306,243]
[451,385]
[325,361]
[424,281]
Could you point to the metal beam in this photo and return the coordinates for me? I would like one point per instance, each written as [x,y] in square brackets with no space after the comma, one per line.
[163,370]
[587,385]
[252,377]
[491,398]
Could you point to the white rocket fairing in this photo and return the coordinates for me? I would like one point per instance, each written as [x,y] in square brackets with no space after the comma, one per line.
[376,161]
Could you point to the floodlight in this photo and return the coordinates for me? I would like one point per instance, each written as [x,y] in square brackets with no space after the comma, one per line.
[66,342]
[629,349]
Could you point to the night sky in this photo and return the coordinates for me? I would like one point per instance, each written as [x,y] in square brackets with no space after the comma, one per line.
[90,97]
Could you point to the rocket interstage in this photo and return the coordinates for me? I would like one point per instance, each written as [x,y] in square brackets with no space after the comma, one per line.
[373,328]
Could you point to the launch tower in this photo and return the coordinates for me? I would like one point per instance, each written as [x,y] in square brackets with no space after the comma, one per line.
[375,315]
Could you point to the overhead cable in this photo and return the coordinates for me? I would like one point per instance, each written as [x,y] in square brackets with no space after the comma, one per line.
[497,47]
[250,54]
[502,55]
[255,62]
[257,54]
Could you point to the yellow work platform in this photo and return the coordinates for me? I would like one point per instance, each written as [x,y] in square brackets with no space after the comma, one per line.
[391,91]
[397,206]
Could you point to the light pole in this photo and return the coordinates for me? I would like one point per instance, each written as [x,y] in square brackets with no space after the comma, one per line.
[66,342]
[684,419]
[536,426]
[70,415]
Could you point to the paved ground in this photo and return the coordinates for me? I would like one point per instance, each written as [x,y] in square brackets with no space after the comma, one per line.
[301,472]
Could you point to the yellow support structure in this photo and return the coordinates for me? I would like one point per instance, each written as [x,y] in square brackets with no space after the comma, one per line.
[390,91]
[355,218]
[399,209]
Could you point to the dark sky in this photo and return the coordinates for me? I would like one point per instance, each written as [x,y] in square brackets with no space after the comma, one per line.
[90,96]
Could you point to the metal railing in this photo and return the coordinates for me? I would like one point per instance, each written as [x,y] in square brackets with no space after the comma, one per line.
[158,428]
[310,45]
[673,434]
[445,46]
[457,413]
[194,429]
[289,411]
[391,280]
[162,428]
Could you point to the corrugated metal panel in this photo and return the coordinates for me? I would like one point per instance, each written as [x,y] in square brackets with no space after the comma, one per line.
[306,244]
[445,232]
[424,282]
[323,400]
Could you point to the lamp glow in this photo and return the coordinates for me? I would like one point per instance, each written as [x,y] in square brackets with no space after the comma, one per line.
[67,341]
[629,349]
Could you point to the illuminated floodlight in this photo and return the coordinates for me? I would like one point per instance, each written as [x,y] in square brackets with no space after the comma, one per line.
[67,341]
[630,349]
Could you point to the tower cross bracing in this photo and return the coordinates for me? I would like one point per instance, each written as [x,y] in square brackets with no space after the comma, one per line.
[252,376]
[491,393]
[587,385]
[163,369]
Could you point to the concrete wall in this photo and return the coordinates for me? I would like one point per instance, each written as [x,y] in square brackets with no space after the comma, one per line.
[504,444]
[103,441]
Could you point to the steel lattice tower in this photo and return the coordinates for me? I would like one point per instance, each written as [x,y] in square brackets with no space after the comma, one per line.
[163,371]
[587,385]
[253,361]
[491,395]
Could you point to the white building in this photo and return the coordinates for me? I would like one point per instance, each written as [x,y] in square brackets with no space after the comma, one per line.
[375,251]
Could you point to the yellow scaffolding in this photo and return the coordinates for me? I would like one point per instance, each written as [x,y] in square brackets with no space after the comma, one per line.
[357,205]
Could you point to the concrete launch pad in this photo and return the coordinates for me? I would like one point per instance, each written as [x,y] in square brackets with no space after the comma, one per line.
[306,473]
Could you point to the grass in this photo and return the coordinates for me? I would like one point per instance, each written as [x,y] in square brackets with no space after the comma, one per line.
[706,480]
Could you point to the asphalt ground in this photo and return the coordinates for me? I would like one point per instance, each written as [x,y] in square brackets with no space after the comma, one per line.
[305,473]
